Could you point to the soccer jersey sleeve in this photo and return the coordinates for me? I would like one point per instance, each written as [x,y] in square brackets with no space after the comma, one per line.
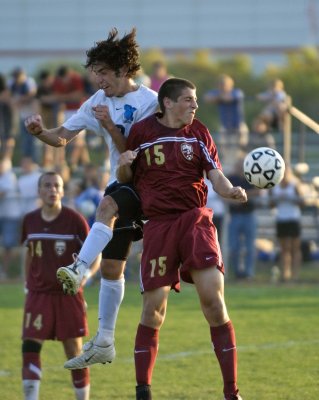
[209,151]
[82,119]
[147,103]
[149,108]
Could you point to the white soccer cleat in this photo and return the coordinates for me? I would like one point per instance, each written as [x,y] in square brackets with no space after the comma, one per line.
[71,276]
[92,354]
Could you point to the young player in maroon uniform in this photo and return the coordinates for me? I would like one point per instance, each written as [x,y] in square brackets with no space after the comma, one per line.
[52,234]
[167,154]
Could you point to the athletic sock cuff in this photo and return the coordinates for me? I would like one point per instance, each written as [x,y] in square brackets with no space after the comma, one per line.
[220,330]
[102,227]
[113,283]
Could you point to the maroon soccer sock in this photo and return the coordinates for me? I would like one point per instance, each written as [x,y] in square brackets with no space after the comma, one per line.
[31,368]
[80,377]
[224,341]
[145,352]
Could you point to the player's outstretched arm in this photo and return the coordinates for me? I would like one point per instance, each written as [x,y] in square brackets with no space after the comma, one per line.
[124,172]
[224,188]
[56,137]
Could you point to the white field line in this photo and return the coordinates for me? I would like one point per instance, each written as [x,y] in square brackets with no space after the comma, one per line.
[185,354]
[244,348]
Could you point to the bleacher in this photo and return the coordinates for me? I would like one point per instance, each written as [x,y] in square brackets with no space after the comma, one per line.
[304,145]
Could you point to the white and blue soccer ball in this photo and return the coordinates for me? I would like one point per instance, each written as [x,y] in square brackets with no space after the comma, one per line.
[264,167]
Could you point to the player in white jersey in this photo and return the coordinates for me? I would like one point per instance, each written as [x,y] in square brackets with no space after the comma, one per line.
[110,113]
[124,111]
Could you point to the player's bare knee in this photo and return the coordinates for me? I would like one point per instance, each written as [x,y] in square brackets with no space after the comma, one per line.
[112,269]
[106,211]
[159,318]
[152,318]
[215,312]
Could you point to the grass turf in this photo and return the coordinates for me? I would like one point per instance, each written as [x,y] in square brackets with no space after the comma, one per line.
[277,338]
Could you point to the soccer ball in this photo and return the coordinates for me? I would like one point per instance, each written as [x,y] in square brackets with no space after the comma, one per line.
[264,167]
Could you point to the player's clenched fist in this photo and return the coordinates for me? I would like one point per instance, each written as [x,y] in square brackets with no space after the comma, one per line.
[127,158]
[124,172]
[238,193]
[34,124]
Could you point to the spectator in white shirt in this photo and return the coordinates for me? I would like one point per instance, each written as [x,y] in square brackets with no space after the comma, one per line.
[9,215]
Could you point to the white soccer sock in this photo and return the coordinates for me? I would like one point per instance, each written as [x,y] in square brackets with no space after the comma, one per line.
[110,298]
[82,393]
[31,388]
[98,237]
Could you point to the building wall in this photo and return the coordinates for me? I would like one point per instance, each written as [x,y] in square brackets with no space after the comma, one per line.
[35,30]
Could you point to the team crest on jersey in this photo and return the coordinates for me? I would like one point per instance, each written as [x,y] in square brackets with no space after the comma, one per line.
[187,151]
[60,247]
[128,113]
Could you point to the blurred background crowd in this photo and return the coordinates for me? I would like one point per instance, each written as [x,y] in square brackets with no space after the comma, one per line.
[247,232]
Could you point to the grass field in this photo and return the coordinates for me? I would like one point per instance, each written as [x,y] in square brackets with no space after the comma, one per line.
[277,335]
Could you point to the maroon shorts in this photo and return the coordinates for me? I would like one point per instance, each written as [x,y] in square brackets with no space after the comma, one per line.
[54,316]
[172,247]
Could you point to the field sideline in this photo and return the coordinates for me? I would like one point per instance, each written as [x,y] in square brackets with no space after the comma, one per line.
[277,337]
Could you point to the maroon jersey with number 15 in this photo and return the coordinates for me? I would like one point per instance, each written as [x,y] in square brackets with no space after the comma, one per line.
[168,174]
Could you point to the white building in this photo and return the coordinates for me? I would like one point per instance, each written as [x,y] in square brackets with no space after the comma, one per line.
[36,31]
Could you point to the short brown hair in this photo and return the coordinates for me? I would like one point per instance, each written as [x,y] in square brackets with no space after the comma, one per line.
[172,88]
[48,173]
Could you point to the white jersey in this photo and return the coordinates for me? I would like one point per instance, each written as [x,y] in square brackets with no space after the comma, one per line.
[124,112]
[214,201]
[9,200]
[286,198]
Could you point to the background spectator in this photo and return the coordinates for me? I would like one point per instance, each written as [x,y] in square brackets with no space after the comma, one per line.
[260,136]
[7,140]
[287,199]
[276,104]
[69,90]
[90,84]
[90,196]
[242,227]
[141,78]
[10,215]
[217,204]
[93,141]
[49,109]
[233,131]
[28,185]
[24,89]
[158,75]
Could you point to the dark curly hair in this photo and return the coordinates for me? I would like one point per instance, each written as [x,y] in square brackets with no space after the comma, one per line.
[116,53]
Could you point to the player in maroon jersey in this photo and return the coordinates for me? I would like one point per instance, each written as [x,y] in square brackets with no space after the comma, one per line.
[167,155]
[51,235]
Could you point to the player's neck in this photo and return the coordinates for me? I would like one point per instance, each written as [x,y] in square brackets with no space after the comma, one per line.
[170,122]
[127,87]
[49,213]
